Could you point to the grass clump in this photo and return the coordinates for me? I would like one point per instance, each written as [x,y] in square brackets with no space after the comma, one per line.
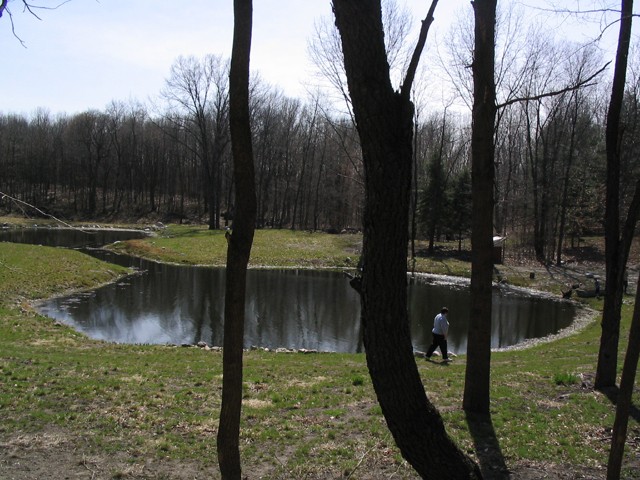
[565,379]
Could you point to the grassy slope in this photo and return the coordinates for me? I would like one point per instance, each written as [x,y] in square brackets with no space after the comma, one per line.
[304,415]
[279,248]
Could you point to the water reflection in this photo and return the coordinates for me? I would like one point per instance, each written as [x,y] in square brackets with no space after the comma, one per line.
[515,317]
[302,309]
[176,304]
[285,308]
[68,237]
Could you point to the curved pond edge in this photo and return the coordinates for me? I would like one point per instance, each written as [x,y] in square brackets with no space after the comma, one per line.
[584,315]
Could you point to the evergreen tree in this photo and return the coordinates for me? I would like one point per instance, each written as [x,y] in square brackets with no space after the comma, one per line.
[460,206]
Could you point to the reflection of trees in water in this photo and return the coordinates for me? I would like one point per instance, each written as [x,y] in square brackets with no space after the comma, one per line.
[285,308]
[514,317]
[301,309]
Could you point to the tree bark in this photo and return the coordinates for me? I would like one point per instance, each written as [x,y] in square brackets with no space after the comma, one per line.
[623,407]
[567,175]
[240,242]
[477,378]
[616,250]
[384,120]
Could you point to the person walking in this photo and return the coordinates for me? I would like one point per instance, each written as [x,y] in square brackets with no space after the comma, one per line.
[440,331]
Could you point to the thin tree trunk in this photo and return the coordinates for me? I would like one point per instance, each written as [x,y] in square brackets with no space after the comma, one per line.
[615,251]
[240,242]
[619,435]
[414,197]
[477,378]
[565,185]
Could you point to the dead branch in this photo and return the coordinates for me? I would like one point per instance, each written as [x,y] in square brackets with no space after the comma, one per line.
[21,203]
[28,7]
[364,455]
[405,89]
[571,88]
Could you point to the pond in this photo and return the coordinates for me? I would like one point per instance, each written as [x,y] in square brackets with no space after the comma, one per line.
[69,237]
[295,309]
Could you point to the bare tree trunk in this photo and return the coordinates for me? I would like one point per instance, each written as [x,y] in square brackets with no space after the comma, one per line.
[384,119]
[616,252]
[240,242]
[619,435]
[565,184]
[477,378]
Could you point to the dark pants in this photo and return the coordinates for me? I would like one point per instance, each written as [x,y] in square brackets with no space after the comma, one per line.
[438,341]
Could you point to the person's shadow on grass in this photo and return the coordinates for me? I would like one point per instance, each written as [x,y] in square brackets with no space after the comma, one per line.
[441,362]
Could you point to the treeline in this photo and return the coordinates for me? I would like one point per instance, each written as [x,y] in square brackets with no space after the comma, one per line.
[171,161]
[129,161]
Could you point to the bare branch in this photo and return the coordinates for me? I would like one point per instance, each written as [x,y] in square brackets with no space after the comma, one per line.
[405,89]
[20,203]
[13,29]
[4,6]
[30,7]
[27,7]
[578,85]
[569,11]
[577,13]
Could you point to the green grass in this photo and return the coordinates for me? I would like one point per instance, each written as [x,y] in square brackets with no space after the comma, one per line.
[196,245]
[565,378]
[271,248]
[304,415]
[35,271]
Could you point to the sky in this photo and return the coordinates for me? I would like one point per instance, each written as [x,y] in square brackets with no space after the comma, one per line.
[87,53]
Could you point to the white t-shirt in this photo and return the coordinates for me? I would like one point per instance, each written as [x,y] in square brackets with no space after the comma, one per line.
[440,325]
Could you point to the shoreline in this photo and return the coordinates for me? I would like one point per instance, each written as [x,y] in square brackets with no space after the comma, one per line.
[584,315]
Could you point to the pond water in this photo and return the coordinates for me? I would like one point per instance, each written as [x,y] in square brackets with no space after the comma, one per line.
[68,237]
[285,308]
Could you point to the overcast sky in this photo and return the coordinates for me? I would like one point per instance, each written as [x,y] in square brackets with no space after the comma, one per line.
[87,53]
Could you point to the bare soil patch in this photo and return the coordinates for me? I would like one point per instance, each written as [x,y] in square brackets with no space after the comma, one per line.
[55,455]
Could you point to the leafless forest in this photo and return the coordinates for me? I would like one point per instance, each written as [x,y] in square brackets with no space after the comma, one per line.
[170,159]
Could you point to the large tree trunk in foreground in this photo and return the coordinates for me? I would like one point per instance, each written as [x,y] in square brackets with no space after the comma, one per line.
[239,247]
[616,248]
[384,120]
[477,378]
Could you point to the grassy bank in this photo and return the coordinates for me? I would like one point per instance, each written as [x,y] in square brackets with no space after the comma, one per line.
[195,245]
[132,411]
